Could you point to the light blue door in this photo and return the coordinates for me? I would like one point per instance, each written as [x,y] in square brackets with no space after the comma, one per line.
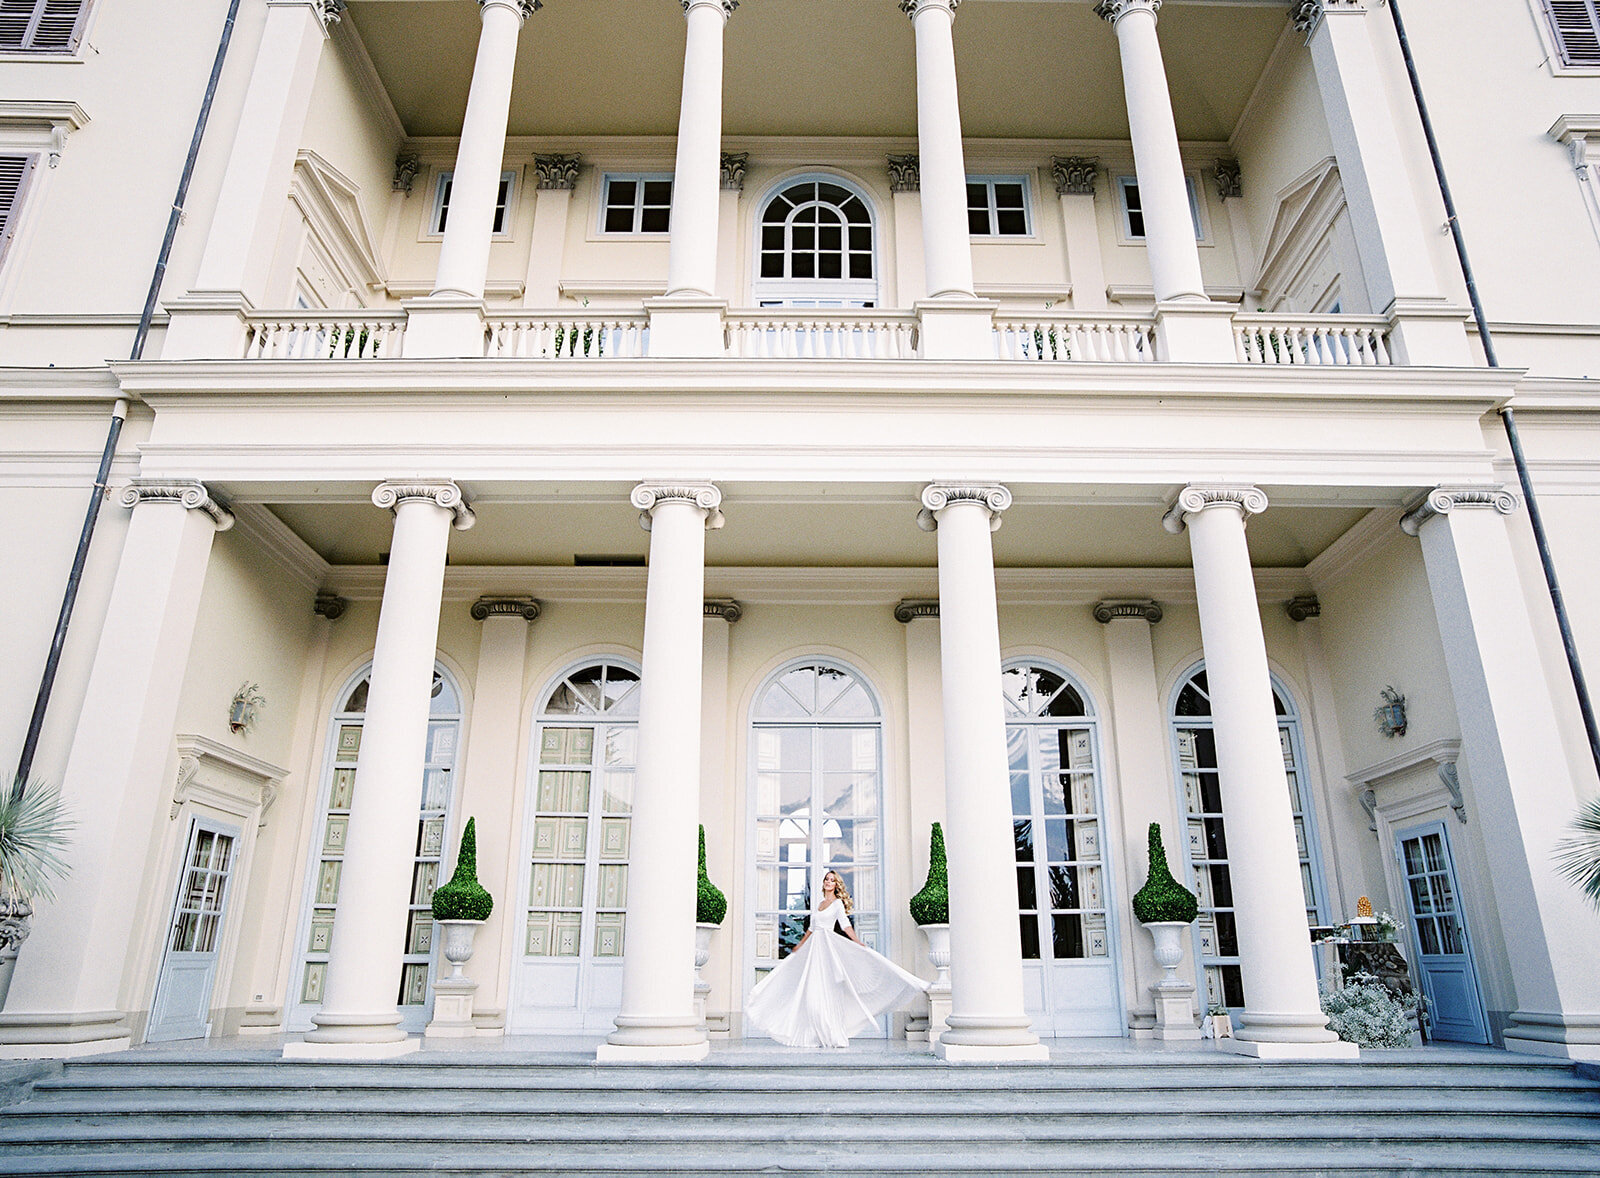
[1444,952]
[182,1005]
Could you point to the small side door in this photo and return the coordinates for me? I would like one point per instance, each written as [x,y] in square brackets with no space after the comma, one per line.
[1439,934]
[182,1005]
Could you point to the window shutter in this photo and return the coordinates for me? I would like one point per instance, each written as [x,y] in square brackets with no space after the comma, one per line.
[1577,29]
[41,26]
[14,173]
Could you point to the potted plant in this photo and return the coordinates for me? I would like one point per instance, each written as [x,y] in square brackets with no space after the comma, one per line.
[33,833]
[1165,907]
[710,909]
[1578,857]
[930,907]
[462,905]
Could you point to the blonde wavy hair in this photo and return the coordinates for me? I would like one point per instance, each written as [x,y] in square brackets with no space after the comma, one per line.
[839,889]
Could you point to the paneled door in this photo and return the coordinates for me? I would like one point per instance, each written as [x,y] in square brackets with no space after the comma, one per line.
[1439,934]
[182,1005]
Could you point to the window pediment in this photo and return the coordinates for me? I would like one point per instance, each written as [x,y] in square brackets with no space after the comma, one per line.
[329,202]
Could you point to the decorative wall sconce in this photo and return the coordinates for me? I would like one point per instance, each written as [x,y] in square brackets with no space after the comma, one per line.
[247,701]
[1391,713]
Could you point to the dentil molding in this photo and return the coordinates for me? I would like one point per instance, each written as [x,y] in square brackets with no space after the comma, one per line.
[937,496]
[186,493]
[706,496]
[1444,500]
[1247,500]
[446,495]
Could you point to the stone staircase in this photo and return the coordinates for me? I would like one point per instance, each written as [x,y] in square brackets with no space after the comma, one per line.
[231,1112]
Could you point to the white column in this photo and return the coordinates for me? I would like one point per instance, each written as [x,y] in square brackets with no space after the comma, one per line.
[67,995]
[688,321]
[987,1018]
[1283,1017]
[547,247]
[1523,787]
[1145,790]
[1385,212]
[657,1021]
[1075,178]
[359,1015]
[233,271]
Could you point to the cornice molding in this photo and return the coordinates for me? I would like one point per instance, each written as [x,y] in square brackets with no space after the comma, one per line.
[1075,175]
[1444,500]
[705,496]
[911,608]
[1197,497]
[557,173]
[526,608]
[225,779]
[993,497]
[191,494]
[1439,752]
[726,608]
[280,542]
[1144,610]
[390,495]
[1370,535]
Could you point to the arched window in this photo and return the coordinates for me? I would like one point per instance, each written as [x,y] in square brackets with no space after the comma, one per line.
[1196,748]
[574,907]
[816,756]
[414,991]
[817,247]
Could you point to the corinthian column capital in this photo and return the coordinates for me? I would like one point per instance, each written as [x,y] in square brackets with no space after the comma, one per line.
[1115,10]
[446,495]
[992,497]
[705,496]
[190,493]
[1444,500]
[1197,497]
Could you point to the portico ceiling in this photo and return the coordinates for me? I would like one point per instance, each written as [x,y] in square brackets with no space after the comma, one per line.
[1027,68]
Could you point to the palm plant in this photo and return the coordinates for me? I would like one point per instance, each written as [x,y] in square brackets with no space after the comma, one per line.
[34,830]
[1578,857]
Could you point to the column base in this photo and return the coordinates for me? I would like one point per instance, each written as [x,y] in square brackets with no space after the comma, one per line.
[1338,1049]
[444,327]
[336,1051]
[979,1053]
[687,328]
[957,328]
[357,1028]
[1195,331]
[1562,1036]
[645,1039]
[988,1039]
[659,1053]
[63,1036]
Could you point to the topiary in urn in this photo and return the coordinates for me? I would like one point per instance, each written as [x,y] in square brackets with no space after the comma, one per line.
[1163,898]
[464,898]
[710,904]
[932,904]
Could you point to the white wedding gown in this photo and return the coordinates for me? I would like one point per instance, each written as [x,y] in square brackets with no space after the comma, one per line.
[828,989]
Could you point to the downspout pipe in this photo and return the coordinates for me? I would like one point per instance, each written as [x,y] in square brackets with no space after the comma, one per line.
[119,414]
[1508,417]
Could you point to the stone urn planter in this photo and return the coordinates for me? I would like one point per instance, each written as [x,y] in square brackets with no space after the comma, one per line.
[1168,936]
[1167,909]
[938,951]
[458,938]
[460,908]
[711,908]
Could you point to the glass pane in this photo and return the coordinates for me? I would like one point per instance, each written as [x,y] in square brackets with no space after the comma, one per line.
[1023,835]
[1030,937]
[443,700]
[1027,889]
[358,697]
[655,221]
[618,220]
[978,222]
[1067,937]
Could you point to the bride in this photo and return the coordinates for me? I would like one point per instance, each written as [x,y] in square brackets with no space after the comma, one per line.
[830,987]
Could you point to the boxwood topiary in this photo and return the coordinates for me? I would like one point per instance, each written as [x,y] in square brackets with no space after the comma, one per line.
[710,904]
[464,898]
[932,904]
[1163,898]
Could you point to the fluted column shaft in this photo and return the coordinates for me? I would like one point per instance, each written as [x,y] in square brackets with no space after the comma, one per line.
[987,1019]
[359,1014]
[697,181]
[1283,1014]
[1163,190]
[475,186]
[947,244]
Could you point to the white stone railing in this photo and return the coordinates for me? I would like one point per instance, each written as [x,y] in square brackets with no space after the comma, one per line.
[822,334]
[1347,341]
[1105,339]
[621,335]
[324,335]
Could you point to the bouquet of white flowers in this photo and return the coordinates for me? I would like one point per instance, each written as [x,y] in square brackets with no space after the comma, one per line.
[1366,1013]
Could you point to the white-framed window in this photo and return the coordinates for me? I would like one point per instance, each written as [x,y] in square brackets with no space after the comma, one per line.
[15,172]
[441,202]
[637,203]
[41,26]
[1131,208]
[997,206]
[1575,24]
[817,246]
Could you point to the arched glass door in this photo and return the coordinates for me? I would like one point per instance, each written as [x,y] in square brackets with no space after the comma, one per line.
[574,897]
[816,756]
[817,247]
[415,991]
[1069,966]
[1196,748]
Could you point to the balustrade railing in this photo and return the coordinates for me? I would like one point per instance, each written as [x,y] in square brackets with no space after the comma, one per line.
[1106,339]
[324,335]
[813,334]
[1343,340]
[620,336]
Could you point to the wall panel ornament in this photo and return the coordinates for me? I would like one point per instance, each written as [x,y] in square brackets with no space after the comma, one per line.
[191,494]
[937,496]
[447,495]
[1199,496]
[1074,174]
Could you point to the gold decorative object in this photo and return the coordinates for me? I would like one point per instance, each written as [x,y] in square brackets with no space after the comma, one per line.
[1364,908]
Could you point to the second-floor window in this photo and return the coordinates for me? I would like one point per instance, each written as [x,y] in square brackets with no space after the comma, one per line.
[1132,208]
[441,201]
[997,206]
[637,204]
[41,26]
[1577,28]
[14,173]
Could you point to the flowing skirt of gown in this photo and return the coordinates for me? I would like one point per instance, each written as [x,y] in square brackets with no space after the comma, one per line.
[828,989]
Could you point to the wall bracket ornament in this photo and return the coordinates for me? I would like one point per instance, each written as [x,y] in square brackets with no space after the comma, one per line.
[525,8]
[526,608]
[557,173]
[1444,500]
[446,495]
[1143,609]
[186,493]
[905,173]
[330,12]
[1074,175]
[937,496]
[246,704]
[728,6]
[1195,497]
[706,496]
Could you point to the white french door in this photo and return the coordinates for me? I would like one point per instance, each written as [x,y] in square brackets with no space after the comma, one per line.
[1439,934]
[182,1005]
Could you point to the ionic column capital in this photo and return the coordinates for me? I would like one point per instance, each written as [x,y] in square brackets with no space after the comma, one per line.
[557,172]
[705,496]
[915,8]
[1308,14]
[190,493]
[905,173]
[1142,609]
[1074,174]
[523,8]
[331,12]
[525,608]
[727,6]
[1197,497]
[913,608]
[1115,10]
[1444,500]
[1301,609]
[726,608]
[993,497]
[446,495]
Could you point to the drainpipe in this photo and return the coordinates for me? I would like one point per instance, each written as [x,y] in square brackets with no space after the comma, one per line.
[119,414]
[1508,417]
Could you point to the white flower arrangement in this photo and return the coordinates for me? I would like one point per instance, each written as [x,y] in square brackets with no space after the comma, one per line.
[1365,1013]
[1389,928]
